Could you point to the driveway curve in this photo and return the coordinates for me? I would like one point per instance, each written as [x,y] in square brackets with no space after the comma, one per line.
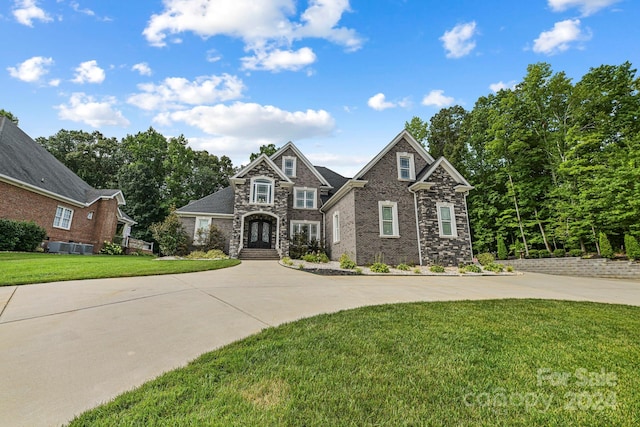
[66,347]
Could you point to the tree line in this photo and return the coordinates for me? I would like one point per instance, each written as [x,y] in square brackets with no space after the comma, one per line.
[555,164]
[155,173]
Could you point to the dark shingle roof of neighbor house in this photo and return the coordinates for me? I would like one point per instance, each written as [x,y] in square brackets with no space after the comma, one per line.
[25,160]
[220,202]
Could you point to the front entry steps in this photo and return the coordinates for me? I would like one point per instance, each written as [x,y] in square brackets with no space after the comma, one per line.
[250,254]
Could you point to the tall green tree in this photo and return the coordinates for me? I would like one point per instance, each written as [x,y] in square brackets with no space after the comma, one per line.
[445,136]
[268,149]
[9,115]
[418,129]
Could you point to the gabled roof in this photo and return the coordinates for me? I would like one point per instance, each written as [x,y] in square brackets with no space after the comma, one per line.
[256,162]
[27,164]
[220,202]
[402,135]
[425,173]
[302,157]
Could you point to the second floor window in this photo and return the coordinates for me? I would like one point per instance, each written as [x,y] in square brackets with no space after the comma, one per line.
[262,191]
[289,166]
[305,198]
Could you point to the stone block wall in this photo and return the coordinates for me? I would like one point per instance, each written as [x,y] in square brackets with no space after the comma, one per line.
[570,266]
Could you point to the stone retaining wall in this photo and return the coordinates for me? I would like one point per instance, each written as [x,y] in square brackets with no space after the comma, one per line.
[569,266]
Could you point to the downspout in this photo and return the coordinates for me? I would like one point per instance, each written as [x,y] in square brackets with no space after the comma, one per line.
[324,231]
[466,208]
[415,205]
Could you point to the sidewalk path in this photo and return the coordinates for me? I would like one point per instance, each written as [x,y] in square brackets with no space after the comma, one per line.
[66,347]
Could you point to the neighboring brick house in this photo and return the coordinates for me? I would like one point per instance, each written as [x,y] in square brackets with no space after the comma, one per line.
[403,206]
[35,186]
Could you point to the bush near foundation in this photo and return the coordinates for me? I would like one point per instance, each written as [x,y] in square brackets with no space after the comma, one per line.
[22,236]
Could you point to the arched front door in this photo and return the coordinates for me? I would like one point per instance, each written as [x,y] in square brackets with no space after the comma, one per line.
[259,234]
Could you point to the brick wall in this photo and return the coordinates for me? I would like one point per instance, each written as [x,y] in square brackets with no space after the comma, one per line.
[570,266]
[347,243]
[24,205]
[384,185]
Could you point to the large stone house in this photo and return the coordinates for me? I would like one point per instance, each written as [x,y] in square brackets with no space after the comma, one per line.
[402,207]
[35,186]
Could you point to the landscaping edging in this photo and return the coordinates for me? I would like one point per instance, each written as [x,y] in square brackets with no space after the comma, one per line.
[581,267]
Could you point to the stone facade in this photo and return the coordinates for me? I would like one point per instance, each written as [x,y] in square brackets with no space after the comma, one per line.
[244,209]
[436,249]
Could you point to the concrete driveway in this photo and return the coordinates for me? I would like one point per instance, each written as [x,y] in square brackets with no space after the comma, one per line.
[66,347]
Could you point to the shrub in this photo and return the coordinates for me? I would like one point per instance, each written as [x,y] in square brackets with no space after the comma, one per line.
[212,254]
[471,268]
[358,270]
[379,267]
[543,253]
[575,252]
[559,253]
[417,270]
[109,248]
[436,269]
[534,253]
[403,267]
[496,268]
[632,247]
[319,257]
[510,268]
[24,236]
[170,235]
[503,253]
[606,251]
[287,261]
[209,238]
[486,258]
[346,262]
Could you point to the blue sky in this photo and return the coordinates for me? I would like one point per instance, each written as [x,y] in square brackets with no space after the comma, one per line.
[339,78]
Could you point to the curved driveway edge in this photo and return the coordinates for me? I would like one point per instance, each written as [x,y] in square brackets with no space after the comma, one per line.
[66,347]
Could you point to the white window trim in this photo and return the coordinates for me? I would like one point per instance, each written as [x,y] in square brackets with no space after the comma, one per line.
[59,225]
[295,197]
[336,227]
[296,222]
[284,159]
[412,166]
[252,195]
[394,211]
[454,231]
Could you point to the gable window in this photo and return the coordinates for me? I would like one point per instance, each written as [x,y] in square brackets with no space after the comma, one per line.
[305,198]
[262,191]
[406,167]
[307,229]
[388,212]
[336,227]
[289,166]
[63,218]
[446,220]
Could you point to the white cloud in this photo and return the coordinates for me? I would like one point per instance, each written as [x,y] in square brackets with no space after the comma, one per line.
[276,60]
[560,37]
[54,82]
[75,6]
[266,26]
[31,70]
[436,98]
[26,11]
[175,92]
[85,109]
[458,41]
[246,122]
[586,7]
[378,102]
[497,87]
[142,68]
[213,56]
[89,72]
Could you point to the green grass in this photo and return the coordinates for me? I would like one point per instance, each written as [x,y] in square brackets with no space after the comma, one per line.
[441,363]
[25,268]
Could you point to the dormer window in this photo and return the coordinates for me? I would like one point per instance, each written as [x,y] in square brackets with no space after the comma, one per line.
[406,167]
[289,166]
[262,191]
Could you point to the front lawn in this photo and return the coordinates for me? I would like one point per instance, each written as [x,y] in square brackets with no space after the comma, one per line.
[492,363]
[24,268]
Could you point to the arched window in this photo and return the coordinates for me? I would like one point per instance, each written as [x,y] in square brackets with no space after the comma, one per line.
[262,191]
